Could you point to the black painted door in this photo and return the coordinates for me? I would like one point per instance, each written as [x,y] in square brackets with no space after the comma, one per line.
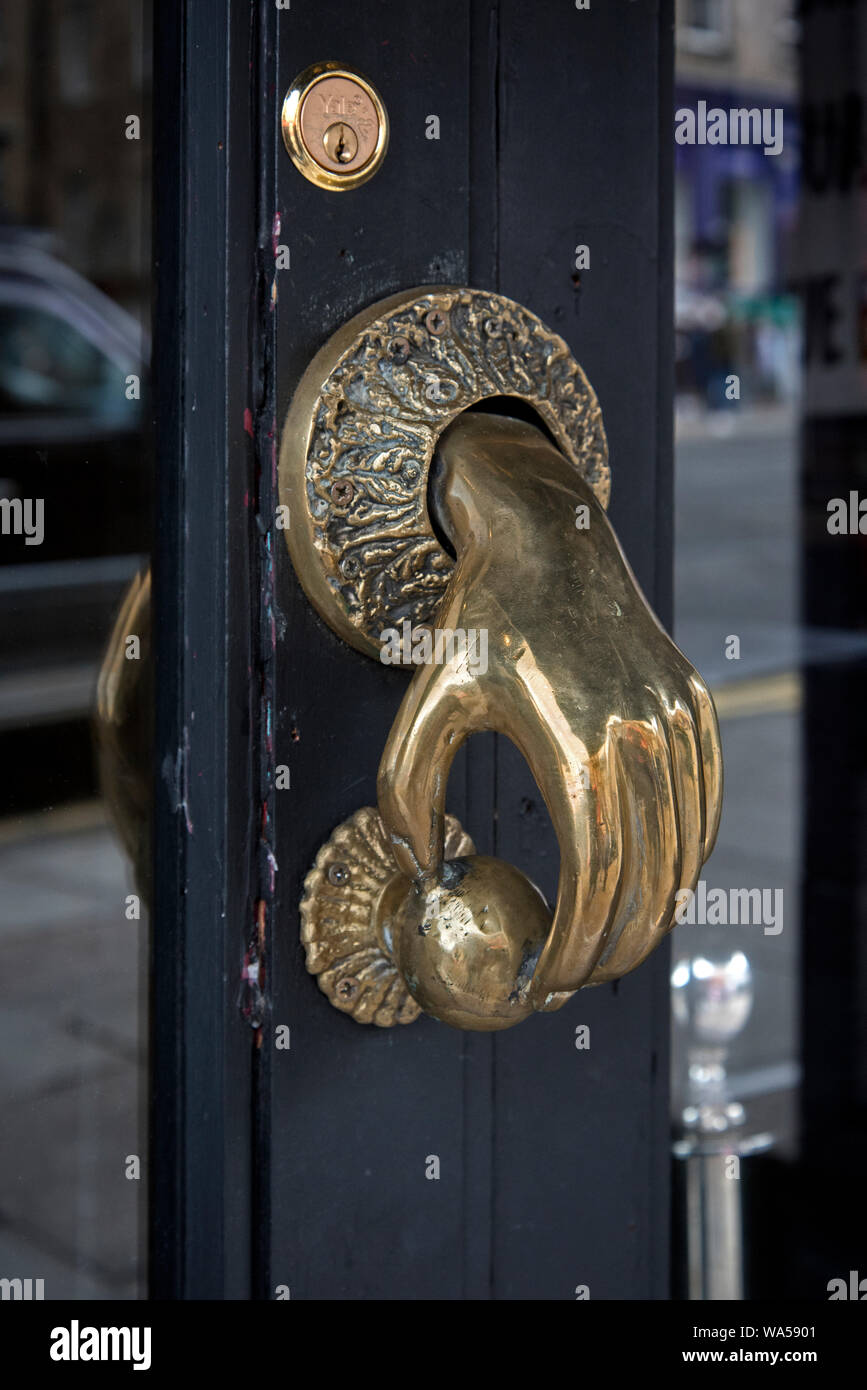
[304,1171]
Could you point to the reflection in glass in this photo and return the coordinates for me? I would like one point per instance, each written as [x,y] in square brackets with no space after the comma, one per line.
[74,308]
[712,998]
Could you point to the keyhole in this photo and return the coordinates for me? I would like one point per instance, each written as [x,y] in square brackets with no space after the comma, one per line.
[341,143]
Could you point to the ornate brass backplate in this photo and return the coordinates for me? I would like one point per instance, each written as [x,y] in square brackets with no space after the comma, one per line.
[361,432]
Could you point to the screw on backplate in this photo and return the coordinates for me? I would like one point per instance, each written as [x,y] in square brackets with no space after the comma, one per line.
[436,322]
[341,143]
[398,349]
[338,874]
[347,989]
[349,567]
[342,492]
[494,327]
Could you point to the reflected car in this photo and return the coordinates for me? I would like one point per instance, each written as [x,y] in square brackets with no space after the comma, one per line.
[75,493]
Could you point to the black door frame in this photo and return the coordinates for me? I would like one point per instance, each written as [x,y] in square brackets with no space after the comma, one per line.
[202,1175]
[214,397]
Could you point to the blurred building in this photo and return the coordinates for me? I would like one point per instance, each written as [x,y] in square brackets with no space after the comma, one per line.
[50,130]
[735,204]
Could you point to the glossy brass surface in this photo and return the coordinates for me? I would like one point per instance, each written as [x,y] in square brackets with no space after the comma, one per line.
[538,630]
[617,728]
[335,126]
[124,730]
[346,919]
[361,431]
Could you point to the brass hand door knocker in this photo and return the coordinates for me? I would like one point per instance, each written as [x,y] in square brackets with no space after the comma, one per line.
[537,629]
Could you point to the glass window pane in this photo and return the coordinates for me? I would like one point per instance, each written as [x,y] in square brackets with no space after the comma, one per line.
[75,499]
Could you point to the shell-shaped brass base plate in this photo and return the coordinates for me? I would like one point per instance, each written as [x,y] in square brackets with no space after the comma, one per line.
[339,919]
[361,432]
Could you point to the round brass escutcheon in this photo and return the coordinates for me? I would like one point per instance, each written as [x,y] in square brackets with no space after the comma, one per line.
[361,432]
[335,126]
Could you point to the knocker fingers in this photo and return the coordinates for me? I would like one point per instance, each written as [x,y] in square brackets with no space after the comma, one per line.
[710,761]
[646,818]
[653,848]
[431,724]
[585,814]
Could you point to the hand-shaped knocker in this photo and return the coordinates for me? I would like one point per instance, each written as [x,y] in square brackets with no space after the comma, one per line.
[618,730]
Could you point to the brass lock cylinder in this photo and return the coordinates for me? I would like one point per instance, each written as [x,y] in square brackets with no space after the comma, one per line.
[335,126]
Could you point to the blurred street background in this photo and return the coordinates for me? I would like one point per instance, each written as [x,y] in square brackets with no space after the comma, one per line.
[75,286]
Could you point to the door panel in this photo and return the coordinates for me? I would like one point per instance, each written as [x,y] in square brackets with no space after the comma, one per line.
[553,1161]
[301,1170]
